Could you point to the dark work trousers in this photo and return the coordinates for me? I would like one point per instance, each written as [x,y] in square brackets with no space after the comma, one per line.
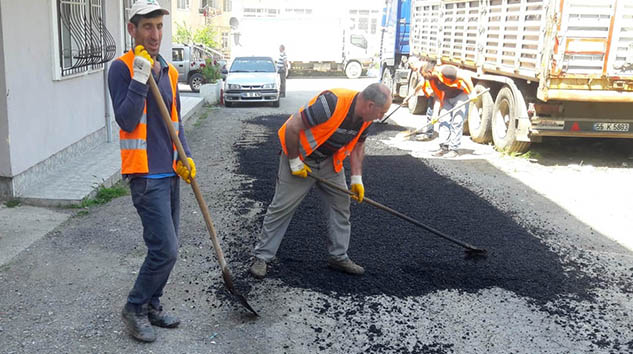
[282,82]
[157,202]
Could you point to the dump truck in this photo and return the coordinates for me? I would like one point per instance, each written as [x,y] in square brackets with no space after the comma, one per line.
[559,68]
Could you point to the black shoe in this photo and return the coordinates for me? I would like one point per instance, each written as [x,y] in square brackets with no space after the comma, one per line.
[160,318]
[137,323]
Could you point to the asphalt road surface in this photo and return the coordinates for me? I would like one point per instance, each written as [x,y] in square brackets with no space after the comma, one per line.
[558,277]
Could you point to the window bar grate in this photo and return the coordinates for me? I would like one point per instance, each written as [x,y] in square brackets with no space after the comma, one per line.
[85,43]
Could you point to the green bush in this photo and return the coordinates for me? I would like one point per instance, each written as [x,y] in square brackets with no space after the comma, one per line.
[211,72]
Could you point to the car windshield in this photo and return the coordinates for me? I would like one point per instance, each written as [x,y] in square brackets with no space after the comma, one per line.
[252,65]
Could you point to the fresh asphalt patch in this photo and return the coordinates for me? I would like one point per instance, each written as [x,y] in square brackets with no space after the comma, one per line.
[402,259]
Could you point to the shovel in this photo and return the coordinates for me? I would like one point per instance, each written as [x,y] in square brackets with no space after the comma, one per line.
[431,123]
[226,273]
[471,251]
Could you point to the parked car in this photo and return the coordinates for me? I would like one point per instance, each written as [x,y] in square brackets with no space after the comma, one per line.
[189,60]
[252,79]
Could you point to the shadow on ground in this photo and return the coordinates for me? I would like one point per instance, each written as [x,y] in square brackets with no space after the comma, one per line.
[402,259]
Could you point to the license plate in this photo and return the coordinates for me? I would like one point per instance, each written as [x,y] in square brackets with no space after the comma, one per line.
[611,127]
[252,94]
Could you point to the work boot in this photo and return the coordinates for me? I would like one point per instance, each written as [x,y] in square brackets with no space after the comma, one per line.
[160,318]
[451,154]
[137,323]
[258,268]
[345,266]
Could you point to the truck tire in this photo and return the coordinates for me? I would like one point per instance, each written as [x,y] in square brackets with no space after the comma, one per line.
[504,123]
[195,81]
[416,104]
[480,117]
[276,103]
[228,103]
[353,69]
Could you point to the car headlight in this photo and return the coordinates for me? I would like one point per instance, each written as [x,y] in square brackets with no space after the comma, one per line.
[269,86]
[234,87]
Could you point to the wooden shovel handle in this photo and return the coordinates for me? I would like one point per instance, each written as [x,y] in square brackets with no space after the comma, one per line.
[183,158]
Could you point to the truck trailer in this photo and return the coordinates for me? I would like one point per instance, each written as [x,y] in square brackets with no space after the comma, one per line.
[554,67]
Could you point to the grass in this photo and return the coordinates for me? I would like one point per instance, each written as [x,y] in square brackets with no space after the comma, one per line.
[200,119]
[12,203]
[103,196]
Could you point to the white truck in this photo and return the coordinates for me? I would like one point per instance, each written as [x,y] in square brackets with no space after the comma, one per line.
[553,67]
[313,43]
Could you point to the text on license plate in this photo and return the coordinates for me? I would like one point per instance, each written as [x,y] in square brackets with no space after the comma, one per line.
[611,127]
[252,94]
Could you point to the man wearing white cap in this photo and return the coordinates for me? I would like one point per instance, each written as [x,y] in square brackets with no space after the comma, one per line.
[150,163]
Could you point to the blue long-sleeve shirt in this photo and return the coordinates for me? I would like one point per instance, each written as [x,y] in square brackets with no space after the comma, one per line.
[128,99]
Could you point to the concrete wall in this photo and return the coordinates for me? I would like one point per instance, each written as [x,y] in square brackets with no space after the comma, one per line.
[5,160]
[45,116]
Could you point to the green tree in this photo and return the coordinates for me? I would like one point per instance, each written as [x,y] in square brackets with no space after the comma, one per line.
[206,36]
[183,34]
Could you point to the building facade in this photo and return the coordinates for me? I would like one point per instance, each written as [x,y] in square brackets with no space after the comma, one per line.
[53,69]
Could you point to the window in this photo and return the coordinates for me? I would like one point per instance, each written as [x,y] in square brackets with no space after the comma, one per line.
[225,40]
[177,54]
[183,4]
[127,39]
[363,24]
[358,41]
[228,6]
[84,42]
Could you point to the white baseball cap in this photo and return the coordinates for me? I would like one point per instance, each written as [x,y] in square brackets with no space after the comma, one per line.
[143,7]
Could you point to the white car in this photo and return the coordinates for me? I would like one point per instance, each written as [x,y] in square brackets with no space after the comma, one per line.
[252,79]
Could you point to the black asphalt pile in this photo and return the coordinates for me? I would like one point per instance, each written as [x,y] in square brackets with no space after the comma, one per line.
[400,258]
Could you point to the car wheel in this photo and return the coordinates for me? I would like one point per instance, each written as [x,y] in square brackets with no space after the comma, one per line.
[353,70]
[228,104]
[276,103]
[195,81]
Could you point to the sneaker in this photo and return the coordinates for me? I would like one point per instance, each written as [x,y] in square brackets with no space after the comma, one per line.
[346,266]
[451,154]
[439,153]
[258,268]
[137,323]
[160,318]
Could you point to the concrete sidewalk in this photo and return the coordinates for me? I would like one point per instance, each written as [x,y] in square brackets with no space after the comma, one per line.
[79,178]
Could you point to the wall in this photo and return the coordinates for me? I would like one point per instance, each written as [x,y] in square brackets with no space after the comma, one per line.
[45,116]
[5,159]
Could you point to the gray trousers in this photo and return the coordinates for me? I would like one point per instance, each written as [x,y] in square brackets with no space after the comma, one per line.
[452,126]
[289,192]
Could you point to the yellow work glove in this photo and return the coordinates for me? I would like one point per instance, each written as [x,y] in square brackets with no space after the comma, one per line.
[298,168]
[357,188]
[143,64]
[183,172]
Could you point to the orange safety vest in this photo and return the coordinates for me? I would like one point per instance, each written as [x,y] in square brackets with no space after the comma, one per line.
[458,84]
[134,145]
[310,139]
